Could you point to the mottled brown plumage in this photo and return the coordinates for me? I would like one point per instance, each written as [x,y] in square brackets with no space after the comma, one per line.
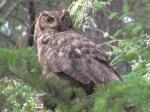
[67,54]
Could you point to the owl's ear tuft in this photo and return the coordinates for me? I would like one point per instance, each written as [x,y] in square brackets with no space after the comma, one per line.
[65,16]
[65,12]
[45,12]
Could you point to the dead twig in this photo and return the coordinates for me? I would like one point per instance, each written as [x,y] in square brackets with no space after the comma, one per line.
[3,4]
[110,42]
[8,39]
[11,9]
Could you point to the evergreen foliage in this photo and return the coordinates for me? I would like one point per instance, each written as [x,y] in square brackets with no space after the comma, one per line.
[130,96]
[21,80]
[19,94]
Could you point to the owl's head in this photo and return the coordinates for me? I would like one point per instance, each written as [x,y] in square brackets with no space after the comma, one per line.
[55,21]
[49,20]
[46,21]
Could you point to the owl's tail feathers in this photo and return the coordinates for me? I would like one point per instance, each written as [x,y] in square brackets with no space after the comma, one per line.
[106,75]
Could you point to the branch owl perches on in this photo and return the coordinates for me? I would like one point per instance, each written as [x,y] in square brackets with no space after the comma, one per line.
[68,55]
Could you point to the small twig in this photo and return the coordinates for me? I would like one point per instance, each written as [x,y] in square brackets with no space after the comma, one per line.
[2,4]
[105,34]
[109,42]
[8,39]
[20,20]
[11,9]
[33,23]
[112,39]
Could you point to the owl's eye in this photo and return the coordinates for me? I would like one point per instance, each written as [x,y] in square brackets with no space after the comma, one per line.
[49,19]
[63,19]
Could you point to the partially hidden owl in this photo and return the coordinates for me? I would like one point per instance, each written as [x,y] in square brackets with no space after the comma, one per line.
[69,55]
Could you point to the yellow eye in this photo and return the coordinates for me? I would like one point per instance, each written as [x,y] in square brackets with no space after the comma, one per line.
[49,19]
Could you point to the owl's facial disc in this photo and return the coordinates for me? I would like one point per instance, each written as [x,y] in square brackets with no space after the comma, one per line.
[48,21]
[51,22]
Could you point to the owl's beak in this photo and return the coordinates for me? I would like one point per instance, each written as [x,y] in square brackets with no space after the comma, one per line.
[54,26]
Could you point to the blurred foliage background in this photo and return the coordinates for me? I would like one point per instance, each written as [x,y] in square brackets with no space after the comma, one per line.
[121,27]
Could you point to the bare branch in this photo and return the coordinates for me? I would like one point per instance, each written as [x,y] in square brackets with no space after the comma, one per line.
[8,39]
[105,34]
[147,41]
[2,4]
[109,42]
[11,9]
[21,21]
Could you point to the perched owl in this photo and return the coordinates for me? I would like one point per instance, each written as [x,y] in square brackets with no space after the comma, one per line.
[69,55]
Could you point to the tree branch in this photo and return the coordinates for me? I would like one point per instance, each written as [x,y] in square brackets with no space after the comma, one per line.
[109,42]
[8,39]
[31,11]
[2,4]
[105,34]
[20,20]
[11,9]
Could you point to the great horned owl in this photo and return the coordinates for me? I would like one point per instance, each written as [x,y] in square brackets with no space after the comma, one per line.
[66,54]
[48,23]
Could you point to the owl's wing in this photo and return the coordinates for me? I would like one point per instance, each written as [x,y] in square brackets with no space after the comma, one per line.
[79,59]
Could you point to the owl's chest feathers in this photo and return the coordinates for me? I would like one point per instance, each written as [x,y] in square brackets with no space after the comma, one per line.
[60,45]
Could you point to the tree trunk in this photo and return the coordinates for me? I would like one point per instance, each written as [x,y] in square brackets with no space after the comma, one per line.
[31,11]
